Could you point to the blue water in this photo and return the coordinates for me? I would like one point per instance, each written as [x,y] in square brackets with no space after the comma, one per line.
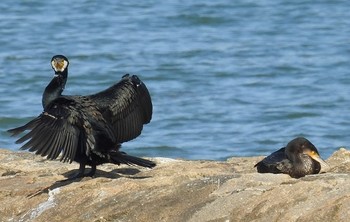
[227,78]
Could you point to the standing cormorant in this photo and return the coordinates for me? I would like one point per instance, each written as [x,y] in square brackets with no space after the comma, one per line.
[299,158]
[88,129]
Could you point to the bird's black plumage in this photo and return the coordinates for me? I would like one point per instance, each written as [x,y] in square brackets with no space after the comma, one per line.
[88,129]
[299,158]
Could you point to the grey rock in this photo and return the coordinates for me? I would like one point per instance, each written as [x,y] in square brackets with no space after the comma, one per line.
[175,190]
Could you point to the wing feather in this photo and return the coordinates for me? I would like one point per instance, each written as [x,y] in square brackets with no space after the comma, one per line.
[67,150]
[273,162]
[30,134]
[127,106]
[51,142]
[70,143]
[55,152]
[55,131]
[40,145]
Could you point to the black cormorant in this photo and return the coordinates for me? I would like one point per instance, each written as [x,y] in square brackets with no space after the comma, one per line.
[88,129]
[299,158]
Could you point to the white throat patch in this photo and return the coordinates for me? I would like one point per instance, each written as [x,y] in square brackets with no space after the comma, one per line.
[59,68]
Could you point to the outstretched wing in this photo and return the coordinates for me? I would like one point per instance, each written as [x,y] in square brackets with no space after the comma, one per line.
[127,106]
[59,129]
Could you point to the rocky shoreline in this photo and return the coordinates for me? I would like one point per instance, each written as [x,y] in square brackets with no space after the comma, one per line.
[175,190]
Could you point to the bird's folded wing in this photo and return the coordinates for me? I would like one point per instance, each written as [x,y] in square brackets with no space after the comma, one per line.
[275,157]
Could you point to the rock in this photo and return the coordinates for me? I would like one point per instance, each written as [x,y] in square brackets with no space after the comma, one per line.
[175,190]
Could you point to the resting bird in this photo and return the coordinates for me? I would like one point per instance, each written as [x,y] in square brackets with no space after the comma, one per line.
[88,129]
[299,158]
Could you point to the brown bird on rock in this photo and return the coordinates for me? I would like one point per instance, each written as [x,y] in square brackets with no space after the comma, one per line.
[299,158]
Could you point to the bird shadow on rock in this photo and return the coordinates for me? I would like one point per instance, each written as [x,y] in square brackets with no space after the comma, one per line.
[130,173]
[114,174]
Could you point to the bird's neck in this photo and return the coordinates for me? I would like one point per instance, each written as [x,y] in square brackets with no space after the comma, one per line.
[297,158]
[55,88]
[302,161]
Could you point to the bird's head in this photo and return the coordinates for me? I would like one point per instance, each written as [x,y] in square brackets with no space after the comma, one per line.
[301,145]
[59,63]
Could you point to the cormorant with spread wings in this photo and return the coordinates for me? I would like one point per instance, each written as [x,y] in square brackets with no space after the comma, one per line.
[88,129]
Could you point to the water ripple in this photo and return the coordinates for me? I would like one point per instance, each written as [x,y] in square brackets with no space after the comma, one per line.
[227,78]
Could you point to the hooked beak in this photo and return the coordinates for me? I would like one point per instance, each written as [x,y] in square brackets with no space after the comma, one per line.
[317,157]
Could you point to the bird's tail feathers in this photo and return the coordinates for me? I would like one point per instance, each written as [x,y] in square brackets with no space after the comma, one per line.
[118,157]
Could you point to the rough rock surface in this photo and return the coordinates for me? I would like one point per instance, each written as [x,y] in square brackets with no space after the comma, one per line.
[175,190]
